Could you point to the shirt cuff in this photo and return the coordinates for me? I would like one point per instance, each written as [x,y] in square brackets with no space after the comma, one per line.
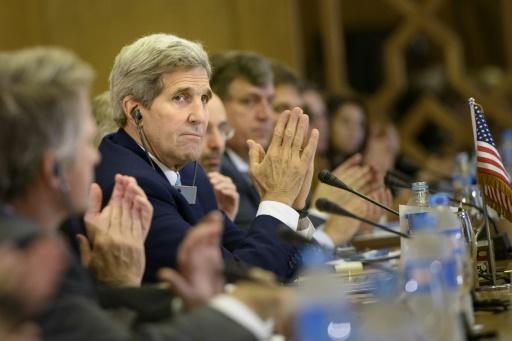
[243,315]
[319,214]
[323,239]
[280,211]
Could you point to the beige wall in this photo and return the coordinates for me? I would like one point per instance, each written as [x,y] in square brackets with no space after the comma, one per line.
[97,29]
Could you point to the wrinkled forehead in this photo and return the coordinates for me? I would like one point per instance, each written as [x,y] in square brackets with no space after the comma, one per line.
[195,78]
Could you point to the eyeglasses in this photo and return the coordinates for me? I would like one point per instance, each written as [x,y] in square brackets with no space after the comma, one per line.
[224,129]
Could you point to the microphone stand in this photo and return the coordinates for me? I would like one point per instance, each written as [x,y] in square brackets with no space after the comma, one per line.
[330,207]
[328,178]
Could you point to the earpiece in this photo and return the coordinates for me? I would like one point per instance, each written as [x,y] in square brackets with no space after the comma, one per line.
[136,115]
[57,172]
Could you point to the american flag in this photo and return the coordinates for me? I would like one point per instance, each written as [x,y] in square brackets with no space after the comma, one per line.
[492,176]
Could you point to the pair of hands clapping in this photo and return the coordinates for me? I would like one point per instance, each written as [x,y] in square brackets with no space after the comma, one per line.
[114,247]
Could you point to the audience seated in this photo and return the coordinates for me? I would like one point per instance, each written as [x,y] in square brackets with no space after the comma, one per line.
[159,87]
[161,211]
[47,175]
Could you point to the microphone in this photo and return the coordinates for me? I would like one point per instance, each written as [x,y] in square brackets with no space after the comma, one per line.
[328,206]
[406,180]
[399,175]
[328,178]
[391,180]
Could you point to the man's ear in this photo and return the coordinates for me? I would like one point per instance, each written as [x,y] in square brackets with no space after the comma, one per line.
[129,106]
[50,170]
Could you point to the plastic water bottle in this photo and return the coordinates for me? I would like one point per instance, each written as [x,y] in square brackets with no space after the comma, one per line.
[419,195]
[506,149]
[418,203]
[385,319]
[449,226]
[323,311]
[429,282]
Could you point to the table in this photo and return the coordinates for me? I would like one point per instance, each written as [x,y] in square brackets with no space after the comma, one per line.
[501,322]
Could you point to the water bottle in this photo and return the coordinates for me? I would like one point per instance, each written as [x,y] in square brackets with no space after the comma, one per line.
[430,283]
[506,149]
[449,226]
[384,318]
[323,311]
[418,203]
[419,195]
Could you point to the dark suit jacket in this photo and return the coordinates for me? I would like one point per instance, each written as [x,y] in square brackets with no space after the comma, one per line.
[77,312]
[173,215]
[249,197]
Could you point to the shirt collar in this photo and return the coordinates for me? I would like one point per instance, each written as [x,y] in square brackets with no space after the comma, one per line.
[172,176]
[239,163]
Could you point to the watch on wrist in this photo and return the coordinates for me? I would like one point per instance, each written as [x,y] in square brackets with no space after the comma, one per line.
[303,213]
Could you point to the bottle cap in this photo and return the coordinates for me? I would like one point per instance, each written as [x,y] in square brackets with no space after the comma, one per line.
[420,186]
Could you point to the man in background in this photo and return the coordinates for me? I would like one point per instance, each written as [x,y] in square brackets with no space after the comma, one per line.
[287,90]
[244,82]
[214,145]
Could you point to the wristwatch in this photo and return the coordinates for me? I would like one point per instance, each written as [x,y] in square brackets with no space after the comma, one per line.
[303,213]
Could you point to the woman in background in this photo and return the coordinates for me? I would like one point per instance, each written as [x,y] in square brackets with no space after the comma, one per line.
[348,123]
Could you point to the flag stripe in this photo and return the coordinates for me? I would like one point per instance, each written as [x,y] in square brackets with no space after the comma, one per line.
[498,166]
[490,169]
[486,147]
[481,150]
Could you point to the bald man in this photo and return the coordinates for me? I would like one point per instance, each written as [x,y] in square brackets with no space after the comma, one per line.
[214,144]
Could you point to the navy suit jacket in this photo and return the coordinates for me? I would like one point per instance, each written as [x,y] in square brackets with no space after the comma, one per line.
[249,197]
[173,215]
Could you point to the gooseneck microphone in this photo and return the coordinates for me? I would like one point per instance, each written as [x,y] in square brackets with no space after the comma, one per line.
[328,178]
[325,205]
[392,180]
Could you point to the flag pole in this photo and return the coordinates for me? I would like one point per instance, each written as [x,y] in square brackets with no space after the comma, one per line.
[490,244]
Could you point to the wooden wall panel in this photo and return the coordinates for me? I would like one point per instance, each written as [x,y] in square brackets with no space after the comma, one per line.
[97,29]
[272,28]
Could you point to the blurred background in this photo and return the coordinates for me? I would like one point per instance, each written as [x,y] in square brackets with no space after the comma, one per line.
[415,62]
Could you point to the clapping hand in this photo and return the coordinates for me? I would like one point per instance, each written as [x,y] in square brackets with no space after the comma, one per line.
[284,172]
[114,251]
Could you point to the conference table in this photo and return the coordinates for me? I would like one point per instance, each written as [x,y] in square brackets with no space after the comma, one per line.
[500,322]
